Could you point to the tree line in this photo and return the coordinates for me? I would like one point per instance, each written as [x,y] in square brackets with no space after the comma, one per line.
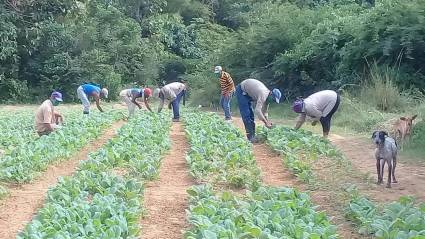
[297,45]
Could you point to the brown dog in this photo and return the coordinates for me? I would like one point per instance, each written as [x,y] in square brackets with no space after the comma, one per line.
[403,128]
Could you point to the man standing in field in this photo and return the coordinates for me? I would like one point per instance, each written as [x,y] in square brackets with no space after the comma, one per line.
[319,106]
[85,91]
[227,90]
[252,90]
[129,96]
[172,92]
[46,118]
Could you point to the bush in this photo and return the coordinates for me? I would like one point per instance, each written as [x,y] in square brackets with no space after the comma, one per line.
[380,90]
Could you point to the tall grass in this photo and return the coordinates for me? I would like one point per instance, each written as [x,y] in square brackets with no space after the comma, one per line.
[380,91]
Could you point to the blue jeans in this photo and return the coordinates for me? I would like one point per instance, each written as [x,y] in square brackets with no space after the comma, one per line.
[225,104]
[247,114]
[176,105]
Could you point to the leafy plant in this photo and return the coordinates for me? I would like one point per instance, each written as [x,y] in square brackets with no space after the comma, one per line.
[397,220]
[265,213]
[28,159]
[219,152]
[97,203]
[299,148]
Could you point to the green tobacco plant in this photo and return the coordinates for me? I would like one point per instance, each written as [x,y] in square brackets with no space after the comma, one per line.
[219,152]
[97,203]
[265,213]
[25,162]
[403,219]
[299,148]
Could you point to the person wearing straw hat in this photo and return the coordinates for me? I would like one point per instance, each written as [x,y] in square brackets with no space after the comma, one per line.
[252,90]
[86,90]
[46,118]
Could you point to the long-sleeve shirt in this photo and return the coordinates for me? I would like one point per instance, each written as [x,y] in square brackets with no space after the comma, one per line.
[226,83]
[259,93]
[318,105]
[169,92]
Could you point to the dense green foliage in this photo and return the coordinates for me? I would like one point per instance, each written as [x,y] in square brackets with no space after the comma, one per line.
[265,213]
[97,202]
[299,148]
[401,220]
[219,152]
[26,160]
[297,45]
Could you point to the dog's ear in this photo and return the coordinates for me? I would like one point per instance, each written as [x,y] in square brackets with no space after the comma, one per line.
[403,118]
[414,117]
[385,133]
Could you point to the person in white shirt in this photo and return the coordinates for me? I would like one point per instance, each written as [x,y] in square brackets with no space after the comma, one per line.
[319,106]
[129,96]
[173,93]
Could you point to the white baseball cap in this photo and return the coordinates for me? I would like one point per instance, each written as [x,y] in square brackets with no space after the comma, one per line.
[105,92]
[218,69]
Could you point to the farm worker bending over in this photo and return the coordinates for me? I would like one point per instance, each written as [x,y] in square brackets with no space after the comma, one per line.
[46,118]
[129,96]
[227,90]
[254,90]
[87,90]
[318,106]
[172,92]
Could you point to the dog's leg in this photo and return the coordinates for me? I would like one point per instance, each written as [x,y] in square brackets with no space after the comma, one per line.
[378,170]
[395,164]
[390,170]
[381,180]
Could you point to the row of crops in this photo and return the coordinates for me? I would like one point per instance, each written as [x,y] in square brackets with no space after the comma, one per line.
[394,220]
[219,153]
[103,198]
[299,148]
[26,155]
[404,219]
[220,156]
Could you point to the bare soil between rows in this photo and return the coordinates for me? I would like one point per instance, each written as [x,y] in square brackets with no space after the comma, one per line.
[166,199]
[361,154]
[24,200]
[274,173]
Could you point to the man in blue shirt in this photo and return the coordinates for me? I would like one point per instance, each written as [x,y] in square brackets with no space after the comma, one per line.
[86,90]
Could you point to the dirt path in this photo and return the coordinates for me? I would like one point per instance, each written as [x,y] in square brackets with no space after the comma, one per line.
[166,199]
[24,200]
[274,173]
[270,163]
[411,180]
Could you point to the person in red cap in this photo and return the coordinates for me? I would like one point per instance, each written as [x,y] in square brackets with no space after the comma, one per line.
[46,118]
[129,96]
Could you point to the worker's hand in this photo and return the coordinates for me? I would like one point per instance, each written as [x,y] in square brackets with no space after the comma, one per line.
[314,123]
[269,125]
[55,126]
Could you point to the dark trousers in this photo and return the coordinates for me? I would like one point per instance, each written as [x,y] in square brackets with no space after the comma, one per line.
[46,132]
[326,121]
[247,114]
[176,105]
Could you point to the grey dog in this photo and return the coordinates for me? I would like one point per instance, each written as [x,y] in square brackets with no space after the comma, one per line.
[386,151]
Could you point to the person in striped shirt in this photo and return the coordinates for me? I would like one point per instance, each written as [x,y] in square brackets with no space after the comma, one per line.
[227,90]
